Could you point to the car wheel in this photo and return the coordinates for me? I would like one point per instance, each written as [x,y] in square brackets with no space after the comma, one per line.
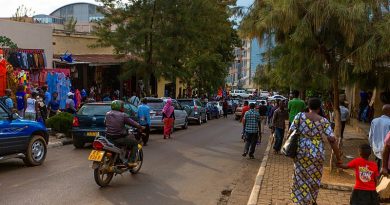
[77,143]
[200,120]
[36,151]
[205,118]
[185,126]
[209,116]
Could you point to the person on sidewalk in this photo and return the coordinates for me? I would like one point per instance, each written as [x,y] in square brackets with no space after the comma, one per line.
[278,126]
[295,106]
[21,100]
[366,174]
[8,100]
[252,130]
[32,109]
[54,105]
[245,109]
[144,120]
[225,107]
[263,115]
[70,106]
[309,162]
[379,128]
[168,117]
[344,112]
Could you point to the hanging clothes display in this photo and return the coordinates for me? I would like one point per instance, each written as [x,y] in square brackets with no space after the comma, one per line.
[63,88]
[26,58]
[77,98]
[3,76]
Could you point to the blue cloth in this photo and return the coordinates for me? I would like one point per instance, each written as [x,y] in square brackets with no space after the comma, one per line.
[54,105]
[252,119]
[52,81]
[20,100]
[144,115]
[279,135]
[83,93]
[63,88]
[24,60]
[9,103]
[47,98]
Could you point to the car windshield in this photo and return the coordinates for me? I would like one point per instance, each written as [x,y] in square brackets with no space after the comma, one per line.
[156,105]
[186,102]
[94,110]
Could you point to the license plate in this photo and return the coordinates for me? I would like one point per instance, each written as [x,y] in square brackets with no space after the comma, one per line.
[96,155]
[92,134]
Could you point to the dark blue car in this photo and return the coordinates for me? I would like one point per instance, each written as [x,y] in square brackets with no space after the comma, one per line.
[212,110]
[22,138]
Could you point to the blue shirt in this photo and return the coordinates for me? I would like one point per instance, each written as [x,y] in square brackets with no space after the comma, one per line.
[47,98]
[379,128]
[252,119]
[144,114]
[20,100]
[54,105]
[9,103]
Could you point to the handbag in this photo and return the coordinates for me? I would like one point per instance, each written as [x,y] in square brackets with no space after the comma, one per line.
[383,187]
[290,147]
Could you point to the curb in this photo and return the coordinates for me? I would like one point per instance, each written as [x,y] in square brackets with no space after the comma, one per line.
[336,187]
[253,198]
[60,143]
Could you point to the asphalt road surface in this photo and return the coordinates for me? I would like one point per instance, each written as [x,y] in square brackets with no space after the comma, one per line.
[192,168]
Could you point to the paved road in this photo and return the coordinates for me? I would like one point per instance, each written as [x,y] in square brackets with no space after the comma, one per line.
[192,168]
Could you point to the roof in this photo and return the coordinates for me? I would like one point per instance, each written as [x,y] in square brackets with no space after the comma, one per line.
[71,5]
[96,59]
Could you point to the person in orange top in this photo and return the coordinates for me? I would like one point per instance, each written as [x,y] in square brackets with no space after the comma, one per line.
[243,111]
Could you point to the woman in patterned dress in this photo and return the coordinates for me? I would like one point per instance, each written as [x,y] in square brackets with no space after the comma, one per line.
[308,164]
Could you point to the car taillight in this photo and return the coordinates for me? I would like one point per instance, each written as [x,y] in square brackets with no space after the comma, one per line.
[195,108]
[158,113]
[76,122]
[97,145]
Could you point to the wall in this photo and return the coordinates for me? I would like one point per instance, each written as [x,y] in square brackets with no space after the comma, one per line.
[161,86]
[77,44]
[30,36]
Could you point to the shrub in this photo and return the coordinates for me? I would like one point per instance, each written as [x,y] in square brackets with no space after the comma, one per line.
[61,122]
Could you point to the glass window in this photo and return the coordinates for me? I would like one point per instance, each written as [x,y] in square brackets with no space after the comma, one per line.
[187,102]
[156,105]
[91,110]
[3,114]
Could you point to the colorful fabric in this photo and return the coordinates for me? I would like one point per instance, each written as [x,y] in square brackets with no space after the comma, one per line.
[168,108]
[252,119]
[308,164]
[3,77]
[365,174]
[168,125]
[295,106]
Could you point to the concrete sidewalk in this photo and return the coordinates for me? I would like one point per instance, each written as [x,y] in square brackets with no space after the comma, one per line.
[277,178]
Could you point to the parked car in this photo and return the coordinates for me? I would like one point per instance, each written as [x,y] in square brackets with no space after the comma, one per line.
[195,110]
[277,97]
[240,93]
[157,104]
[212,110]
[22,139]
[89,121]
[264,93]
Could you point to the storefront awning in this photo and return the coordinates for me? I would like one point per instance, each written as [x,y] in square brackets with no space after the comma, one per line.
[95,59]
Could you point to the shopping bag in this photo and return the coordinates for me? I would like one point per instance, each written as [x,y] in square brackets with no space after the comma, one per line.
[383,187]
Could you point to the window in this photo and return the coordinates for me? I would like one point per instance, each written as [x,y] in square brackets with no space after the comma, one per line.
[3,114]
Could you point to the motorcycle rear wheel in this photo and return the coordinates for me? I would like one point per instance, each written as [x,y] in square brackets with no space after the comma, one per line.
[140,159]
[101,175]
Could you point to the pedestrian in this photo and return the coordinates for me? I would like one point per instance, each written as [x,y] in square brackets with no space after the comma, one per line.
[144,120]
[273,109]
[54,105]
[69,104]
[252,131]
[32,108]
[263,115]
[245,109]
[42,109]
[47,95]
[21,100]
[225,107]
[8,100]
[308,164]
[386,155]
[344,112]
[295,106]
[134,99]
[379,128]
[278,125]
[168,117]
[366,174]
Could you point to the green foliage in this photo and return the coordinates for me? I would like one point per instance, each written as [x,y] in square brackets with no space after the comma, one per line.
[7,42]
[22,14]
[61,122]
[189,39]
[70,25]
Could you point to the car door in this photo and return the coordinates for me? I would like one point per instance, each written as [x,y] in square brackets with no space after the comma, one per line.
[179,115]
[13,136]
[201,107]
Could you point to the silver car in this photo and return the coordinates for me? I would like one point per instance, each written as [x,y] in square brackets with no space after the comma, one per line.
[156,105]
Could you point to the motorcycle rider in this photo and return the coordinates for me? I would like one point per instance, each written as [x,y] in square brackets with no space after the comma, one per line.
[116,131]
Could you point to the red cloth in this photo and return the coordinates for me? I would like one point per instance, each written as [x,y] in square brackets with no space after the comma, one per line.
[244,110]
[168,125]
[78,98]
[3,77]
[365,174]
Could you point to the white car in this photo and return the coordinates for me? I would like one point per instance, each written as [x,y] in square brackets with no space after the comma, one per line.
[240,93]
[277,97]
[264,93]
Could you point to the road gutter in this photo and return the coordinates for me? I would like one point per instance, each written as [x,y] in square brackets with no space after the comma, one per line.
[253,198]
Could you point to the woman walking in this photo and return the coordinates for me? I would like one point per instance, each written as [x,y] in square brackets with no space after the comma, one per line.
[308,164]
[168,116]
[32,108]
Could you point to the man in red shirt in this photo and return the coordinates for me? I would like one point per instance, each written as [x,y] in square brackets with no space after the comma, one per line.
[245,109]
[366,174]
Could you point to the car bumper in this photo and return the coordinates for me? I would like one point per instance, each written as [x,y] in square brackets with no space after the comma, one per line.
[87,135]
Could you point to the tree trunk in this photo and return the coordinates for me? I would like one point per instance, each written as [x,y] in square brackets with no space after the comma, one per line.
[337,116]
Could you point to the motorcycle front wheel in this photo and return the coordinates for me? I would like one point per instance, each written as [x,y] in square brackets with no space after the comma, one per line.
[140,159]
[102,175]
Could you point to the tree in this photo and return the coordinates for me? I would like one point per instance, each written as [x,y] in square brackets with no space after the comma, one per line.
[22,13]
[332,38]
[70,25]
[168,41]
[7,42]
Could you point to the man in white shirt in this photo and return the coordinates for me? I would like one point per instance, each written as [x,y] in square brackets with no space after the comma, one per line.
[379,128]
[344,117]
[134,99]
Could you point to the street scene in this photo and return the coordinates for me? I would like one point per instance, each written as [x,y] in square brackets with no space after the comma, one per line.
[195,102]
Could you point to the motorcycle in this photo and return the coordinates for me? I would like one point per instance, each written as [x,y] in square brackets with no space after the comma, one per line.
[109,160]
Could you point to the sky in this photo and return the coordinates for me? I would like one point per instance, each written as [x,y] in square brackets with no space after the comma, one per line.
[8,7]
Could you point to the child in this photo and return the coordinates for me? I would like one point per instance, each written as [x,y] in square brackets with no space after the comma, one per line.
[366,172]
